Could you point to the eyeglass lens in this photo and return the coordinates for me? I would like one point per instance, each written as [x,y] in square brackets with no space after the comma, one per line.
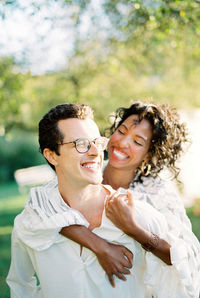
[83,145]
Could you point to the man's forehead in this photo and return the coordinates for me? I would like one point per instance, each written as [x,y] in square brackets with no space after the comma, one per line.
[78,128]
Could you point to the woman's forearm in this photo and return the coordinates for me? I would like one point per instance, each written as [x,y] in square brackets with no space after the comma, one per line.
[120,210]
[83,236]
[150,242]
[114,259]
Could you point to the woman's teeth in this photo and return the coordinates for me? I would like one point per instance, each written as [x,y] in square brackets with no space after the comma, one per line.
[119,154]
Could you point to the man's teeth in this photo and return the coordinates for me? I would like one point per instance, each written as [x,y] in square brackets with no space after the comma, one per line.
[90,166]
[120,155]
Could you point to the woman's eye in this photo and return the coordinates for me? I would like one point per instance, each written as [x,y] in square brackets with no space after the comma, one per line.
[120,131]
[136,142]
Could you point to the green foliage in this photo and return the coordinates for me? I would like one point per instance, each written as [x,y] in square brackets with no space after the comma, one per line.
[17,150]
[11,85]
[132,50]
[195,221]
[11,203]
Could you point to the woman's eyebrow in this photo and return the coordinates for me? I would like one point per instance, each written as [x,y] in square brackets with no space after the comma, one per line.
[124,126]
[142,137]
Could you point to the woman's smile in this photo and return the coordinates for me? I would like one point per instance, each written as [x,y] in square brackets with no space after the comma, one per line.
[119,155]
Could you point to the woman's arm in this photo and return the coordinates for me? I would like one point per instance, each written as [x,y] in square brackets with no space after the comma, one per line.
[120,210]
[52,219]
[164,196]
[114,259]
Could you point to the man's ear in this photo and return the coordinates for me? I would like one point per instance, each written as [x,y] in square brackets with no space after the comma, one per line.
[50,156]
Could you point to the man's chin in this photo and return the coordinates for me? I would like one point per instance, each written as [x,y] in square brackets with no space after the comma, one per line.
[97,180]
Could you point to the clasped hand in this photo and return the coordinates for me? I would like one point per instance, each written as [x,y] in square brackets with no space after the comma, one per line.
[120,210]
[115,260]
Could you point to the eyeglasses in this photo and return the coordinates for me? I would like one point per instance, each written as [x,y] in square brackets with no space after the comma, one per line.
[83,145]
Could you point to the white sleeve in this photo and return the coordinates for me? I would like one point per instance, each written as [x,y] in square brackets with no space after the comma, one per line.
[21,279]
[31,231]
[43,217]
[162,280]
[185,247]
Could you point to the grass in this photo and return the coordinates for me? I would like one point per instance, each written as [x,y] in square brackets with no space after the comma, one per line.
[11,203]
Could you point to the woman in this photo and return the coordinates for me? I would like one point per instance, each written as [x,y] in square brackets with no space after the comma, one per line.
[145,139]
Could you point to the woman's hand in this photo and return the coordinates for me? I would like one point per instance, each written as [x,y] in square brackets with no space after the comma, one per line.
[120,210]
[114,259]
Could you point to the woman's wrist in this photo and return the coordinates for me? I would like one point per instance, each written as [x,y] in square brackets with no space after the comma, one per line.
[98,245]
[151,242]
[144,237]
[132,229]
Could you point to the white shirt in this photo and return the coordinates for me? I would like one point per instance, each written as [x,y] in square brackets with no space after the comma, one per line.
[63,272]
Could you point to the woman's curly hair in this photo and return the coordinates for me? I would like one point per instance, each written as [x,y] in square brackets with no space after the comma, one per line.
[168,138]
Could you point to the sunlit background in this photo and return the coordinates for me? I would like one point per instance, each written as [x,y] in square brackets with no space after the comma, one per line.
[102,53]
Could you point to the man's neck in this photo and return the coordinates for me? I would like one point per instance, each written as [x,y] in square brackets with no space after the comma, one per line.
[78,196]
[87,199]
[117,177]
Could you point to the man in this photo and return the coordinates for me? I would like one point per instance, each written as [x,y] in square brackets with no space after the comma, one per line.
[71,143]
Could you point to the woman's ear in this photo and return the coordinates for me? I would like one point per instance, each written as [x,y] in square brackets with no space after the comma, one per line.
[147,157]
[50,156]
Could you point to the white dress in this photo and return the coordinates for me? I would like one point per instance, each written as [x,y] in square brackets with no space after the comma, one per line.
[185,247]
[65,272]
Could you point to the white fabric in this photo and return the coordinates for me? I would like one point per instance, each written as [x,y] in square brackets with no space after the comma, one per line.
[163,196]
[63,272]
[185,247]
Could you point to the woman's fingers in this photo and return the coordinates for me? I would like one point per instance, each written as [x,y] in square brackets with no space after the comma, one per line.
[111,279]
[129,256]
[130,198]
[120,276]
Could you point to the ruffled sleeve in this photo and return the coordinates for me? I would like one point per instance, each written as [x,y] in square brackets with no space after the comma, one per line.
[44,215]
[185,247]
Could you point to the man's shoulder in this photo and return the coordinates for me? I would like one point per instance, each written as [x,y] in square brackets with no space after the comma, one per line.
[44,191]
[43,198]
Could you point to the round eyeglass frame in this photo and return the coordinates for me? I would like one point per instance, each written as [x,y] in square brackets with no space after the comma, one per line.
[77,142]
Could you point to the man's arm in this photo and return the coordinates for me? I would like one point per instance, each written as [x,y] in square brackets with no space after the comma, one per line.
[120,210]
[21,279]
[114,259]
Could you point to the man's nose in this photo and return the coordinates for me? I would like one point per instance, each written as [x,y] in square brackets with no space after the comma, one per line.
[94,149]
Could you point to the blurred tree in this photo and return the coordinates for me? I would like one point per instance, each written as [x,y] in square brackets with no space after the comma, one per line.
[18,149]
[154,28]
[132,49]
[123,50]
[11,99]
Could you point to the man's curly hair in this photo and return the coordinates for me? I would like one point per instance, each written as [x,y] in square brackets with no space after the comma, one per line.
[168,138]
